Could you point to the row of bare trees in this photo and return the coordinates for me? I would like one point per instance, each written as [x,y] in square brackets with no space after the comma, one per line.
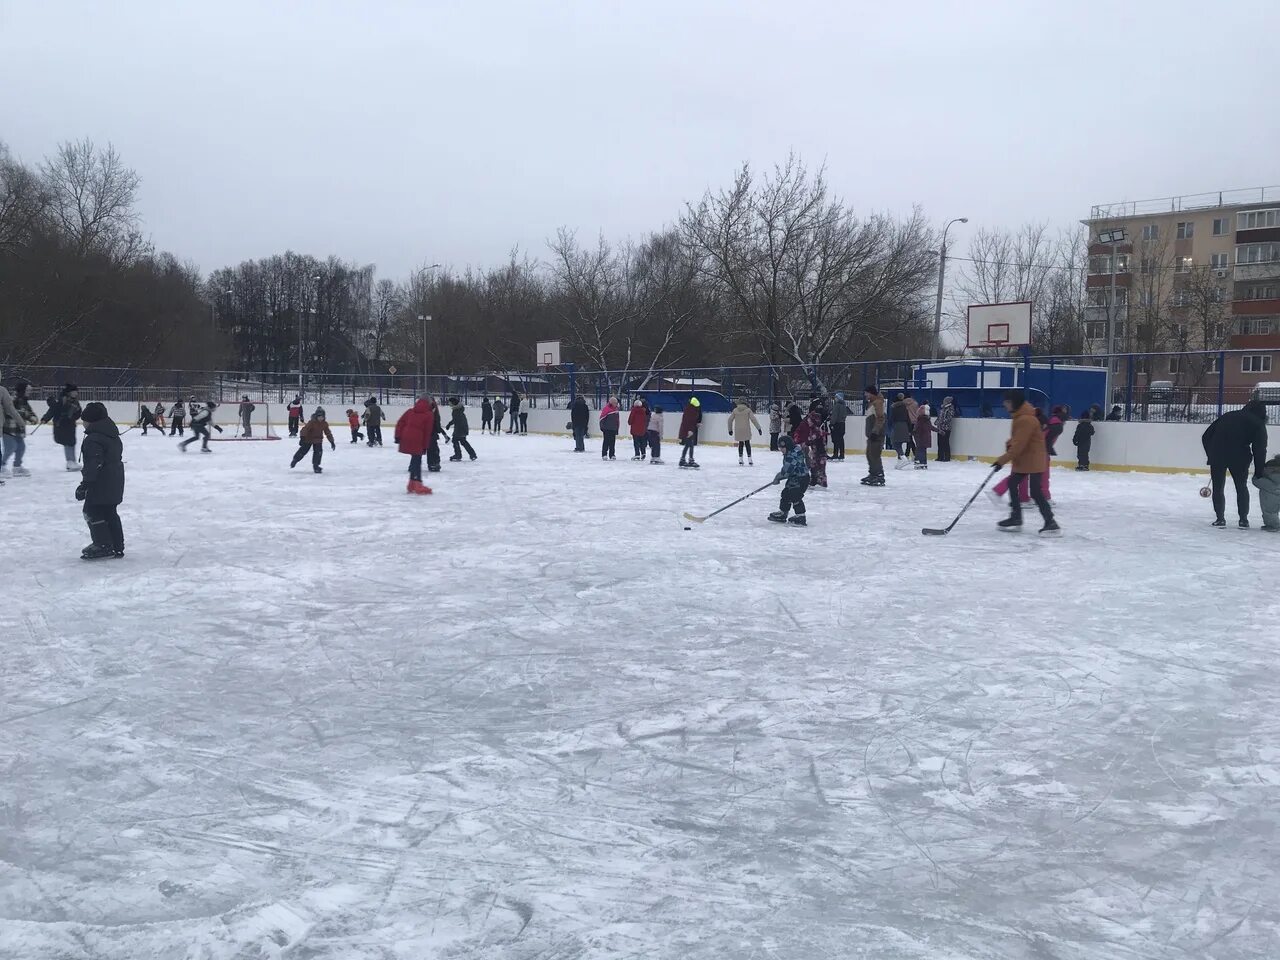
[774,269]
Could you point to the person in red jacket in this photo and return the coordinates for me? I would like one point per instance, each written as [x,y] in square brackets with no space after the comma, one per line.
[414,432]
[638,422]
[689,432]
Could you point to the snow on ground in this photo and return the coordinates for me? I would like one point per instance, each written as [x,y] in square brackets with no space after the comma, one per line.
[531,717]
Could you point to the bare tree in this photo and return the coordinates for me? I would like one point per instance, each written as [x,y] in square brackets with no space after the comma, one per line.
[23,201]
[92,196]
[1201,321]
[1058,320]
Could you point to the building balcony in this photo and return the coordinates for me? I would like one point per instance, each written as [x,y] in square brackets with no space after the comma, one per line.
[1257,271]
[1262,341]
[1256,308]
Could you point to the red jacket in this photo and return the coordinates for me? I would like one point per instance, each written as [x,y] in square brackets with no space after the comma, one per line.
[689,421]
[414,429]
[638,421]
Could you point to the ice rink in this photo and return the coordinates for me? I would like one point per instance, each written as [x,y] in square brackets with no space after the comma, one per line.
[531,718]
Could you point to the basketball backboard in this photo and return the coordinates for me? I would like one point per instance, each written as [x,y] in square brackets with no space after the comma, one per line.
[999,324]
[547,353]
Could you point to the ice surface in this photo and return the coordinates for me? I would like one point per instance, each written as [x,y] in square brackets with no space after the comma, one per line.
[531,717]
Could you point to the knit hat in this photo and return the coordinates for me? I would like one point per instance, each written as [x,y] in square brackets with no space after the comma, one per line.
[319,414]
[70,388]
[873,390]
[785,442]
[839,395]
[94,412]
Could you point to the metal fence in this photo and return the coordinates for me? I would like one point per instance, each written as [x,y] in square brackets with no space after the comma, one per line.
[1079,381]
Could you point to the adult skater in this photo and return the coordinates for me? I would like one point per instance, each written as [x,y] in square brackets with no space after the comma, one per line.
[499,408]
[513,412]
[1083,440]
[638,425]
[64,411]
[1025,451]
[458,423]
[874,433]
[795,471]
[147,419]
[811,435]
[311,436]
[295,414]
[946,423]
[246,417]
[486,415]
[610,420]
[201,421]
[775,425]
[17,415]
[177,417]
[415,430]
[688,434]
[741,420]
[900,417]
[654,435]
[525,406]
[579,420]
[1230,442]
[101,486]
[373,417]
[839,414]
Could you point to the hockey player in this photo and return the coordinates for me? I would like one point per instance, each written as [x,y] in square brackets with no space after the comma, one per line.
[246,417]
[1026,452]
[311,437]
[295,414]
[654,435]
[741,420]
[353,421]
[147,419]
[415,432]
[101,487]
[64,411]
[688,434]
[458,423]
[177,417]
[16,416]
[795,471]
[201,421]
[373,417]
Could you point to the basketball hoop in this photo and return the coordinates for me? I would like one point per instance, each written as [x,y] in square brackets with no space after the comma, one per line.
[999,326]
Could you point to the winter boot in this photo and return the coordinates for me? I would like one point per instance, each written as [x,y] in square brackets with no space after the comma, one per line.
[798,520]
[656,460]
[778,516]
[1051,529]
[694,466]
[750,462]
[73,466]
[1244,523]
[1220,522]
[1011,525]
[417,486]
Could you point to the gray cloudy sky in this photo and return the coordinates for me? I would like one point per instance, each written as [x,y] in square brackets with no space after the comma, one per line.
[402,133]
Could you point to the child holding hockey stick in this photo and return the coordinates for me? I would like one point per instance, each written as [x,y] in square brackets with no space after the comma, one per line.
[795,471]
[201,421]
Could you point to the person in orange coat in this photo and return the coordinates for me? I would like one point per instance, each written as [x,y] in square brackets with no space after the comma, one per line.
[311,438]
[1025,452]
[415,431]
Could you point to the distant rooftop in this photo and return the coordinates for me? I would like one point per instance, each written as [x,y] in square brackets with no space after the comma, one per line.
[1192,201]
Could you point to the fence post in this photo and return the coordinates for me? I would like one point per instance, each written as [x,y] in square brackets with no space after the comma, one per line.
[982,387]
[1222,373]
[1128,396]
[1053,365]
[573,382]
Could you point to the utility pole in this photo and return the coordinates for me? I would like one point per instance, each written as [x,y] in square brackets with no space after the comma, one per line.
[942,272]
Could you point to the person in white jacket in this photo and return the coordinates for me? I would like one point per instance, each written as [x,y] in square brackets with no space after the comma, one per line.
[654,435]
[740,423]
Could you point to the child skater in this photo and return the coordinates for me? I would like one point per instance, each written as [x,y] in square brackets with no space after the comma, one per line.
[795,470]
[311,437]
[654,435]
[353,421]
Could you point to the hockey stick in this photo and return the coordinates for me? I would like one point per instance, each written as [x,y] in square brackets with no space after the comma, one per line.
[930,532]
[690,516]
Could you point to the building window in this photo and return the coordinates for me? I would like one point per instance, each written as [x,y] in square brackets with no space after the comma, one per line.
[1257,252]
[1177,364]
[1096,329]
[1186,229]
[1219,261]
[1255,363]
[1220,228]
[1182,264]
[1218,295]
[1140,365]
[1101,264]
[1101,296]
[1152,231]
[1255,326]
[1148,265]
[1258,219]
[1180,298]
[1264,292]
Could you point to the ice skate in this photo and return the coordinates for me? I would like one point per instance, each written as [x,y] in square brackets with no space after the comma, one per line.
[1011,525]
[1051,529]
[740,462]
[73,467]
[1220,522]
[656,460]
[1244,523]
[315,469]
[96,552]
[798,520]
[778,516]
[205,450]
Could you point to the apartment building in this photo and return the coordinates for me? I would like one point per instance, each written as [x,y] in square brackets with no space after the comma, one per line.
[1188,273]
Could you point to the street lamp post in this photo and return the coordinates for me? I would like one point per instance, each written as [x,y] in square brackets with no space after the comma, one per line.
[942,272]
[301,315]
[424,319]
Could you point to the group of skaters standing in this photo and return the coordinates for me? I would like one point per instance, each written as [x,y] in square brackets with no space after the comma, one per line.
[491,413]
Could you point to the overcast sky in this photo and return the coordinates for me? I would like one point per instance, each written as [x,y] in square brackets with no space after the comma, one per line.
[404,133]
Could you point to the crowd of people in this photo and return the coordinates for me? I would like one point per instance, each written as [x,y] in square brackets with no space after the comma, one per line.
[807,438]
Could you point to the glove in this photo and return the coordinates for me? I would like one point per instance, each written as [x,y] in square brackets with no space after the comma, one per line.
[778,479]
[81,492]
[218,428]
[332,445]
[759,431]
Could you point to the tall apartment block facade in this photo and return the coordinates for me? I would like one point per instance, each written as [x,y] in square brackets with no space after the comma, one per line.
[1196,272]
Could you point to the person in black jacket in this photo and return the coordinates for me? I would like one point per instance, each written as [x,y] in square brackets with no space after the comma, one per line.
[460,430]
[579,420]
[1230,443]
[433,448]
[1083,439]
[486,414]
[513,413]
[64,411]
[102,484]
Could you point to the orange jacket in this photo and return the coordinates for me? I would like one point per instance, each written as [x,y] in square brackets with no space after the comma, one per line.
[1025,448]
[313,431]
